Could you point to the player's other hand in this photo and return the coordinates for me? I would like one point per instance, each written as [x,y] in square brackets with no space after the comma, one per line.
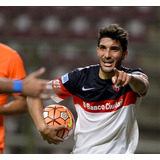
[120,78]
[35,87]
[50,134]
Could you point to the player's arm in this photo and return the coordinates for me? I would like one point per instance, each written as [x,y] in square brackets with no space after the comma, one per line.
[48,132]
[30,86]
[137,82]
[6,85]
[35,87]
[17,106]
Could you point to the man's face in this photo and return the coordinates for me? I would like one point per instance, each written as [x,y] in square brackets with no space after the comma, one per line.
[110,55]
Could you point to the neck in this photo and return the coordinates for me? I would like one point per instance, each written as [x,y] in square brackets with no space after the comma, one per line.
[104,75]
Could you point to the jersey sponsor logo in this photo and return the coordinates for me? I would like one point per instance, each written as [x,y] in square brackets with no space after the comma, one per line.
[65,78]
[105,107]
[112,105]
[86,89]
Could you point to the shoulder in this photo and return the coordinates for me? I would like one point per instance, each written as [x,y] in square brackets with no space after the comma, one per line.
[129,70]
[79,75]
[86,69]
[136,71]
[7,51]
[82,73]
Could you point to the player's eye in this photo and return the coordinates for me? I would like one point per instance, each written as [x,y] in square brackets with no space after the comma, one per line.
[102,47]
[114,48]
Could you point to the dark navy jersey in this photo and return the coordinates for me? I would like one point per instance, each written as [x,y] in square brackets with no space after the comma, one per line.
[86,84]
[106,120]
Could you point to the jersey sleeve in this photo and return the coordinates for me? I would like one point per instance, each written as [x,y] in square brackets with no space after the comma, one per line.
[16,67]
[65,86]
[140,73]
[73,80]
[61,92]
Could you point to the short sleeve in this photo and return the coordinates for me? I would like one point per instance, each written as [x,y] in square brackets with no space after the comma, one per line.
[73,80]
[66,86]
[16,67]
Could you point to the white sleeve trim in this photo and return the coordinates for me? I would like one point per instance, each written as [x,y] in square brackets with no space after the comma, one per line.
[56,98]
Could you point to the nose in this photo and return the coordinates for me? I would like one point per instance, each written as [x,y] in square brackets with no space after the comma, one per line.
[107,54]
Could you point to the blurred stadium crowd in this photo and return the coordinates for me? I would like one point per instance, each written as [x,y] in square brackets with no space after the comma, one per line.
[64,38]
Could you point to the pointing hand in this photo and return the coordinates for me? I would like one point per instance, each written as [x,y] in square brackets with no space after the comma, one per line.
[120,78]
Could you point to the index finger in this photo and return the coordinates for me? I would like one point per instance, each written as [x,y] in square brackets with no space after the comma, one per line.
[116,71]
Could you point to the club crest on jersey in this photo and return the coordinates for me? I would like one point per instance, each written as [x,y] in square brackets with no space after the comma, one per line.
[64,78]
[115,87]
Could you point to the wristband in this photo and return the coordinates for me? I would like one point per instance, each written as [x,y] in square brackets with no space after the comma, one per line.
[17,86]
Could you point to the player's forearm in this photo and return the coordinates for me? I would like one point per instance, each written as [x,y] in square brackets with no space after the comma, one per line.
[139,84]
[11,86]
[36,112]
[15,107]
[6,85]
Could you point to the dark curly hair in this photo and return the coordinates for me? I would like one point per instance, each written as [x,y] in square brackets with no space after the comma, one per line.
[115,32]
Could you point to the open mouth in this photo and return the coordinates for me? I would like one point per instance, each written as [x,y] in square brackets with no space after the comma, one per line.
[108,63]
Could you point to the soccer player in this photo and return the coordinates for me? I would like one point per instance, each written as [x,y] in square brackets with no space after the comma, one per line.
[11,67]
[106,97]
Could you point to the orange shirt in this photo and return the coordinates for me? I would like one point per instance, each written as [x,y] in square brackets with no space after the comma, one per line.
[11,66]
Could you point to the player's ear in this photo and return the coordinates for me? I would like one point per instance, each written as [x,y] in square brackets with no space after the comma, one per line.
[97,49]
[125,54]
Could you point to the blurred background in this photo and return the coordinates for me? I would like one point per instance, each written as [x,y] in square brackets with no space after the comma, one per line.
[64,38]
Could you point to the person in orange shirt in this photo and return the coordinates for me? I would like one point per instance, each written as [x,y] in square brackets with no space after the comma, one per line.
[13,80]
[11,66]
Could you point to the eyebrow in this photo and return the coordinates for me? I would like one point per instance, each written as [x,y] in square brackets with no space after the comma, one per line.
[101,45]
[114,45]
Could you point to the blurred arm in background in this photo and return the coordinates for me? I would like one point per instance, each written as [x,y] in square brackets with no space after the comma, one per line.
[31,85]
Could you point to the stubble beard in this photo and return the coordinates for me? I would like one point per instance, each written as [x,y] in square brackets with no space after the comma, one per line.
[117,65]
[105,71]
